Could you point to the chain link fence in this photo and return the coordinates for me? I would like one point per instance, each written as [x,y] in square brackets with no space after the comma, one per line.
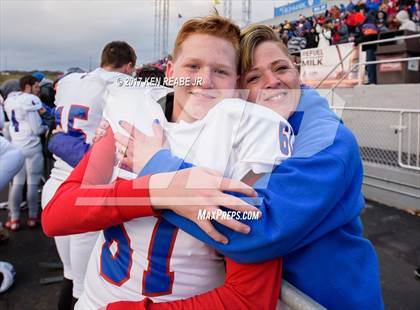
[388,137]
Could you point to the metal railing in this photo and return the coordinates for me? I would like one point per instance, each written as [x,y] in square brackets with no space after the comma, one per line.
[410,130]
[363,63]
[292,298]
[398,38]
[368,63]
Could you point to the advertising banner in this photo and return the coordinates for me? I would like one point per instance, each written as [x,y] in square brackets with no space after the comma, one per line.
[295,6]
[329,65]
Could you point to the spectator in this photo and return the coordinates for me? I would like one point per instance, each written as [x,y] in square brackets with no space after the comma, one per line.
[416,13]
[324,35]
[405,22]
[350,7]
[343,31]
[321,20]
[47,94]
[335,12]
[382,21]
[312,38]
[404,4]
[296,43]
[354,19]
[305,24]
[285,36]
[369,27]
[335,39]
[384,6]
[392,8]
[372,5]
[370,33]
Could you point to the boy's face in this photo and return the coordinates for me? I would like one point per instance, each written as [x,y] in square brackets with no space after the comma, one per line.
[213,60]
[273,81]
[36,89]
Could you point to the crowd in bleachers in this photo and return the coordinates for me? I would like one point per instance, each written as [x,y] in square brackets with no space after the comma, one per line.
[357,21]
[347,23]
[153,69]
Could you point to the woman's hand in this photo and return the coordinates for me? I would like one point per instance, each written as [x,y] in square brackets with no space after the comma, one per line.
[196,191]
[137,149]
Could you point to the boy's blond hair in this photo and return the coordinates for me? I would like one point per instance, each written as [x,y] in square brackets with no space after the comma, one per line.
[251,37]
[214,25]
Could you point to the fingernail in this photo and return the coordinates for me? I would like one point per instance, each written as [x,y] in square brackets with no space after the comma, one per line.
[247,229]
[156,121]
[225,241]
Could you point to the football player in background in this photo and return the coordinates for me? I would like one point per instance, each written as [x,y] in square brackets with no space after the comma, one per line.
[79,105]
[23,110]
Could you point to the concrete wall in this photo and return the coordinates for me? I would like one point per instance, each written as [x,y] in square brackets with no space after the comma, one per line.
[405,96]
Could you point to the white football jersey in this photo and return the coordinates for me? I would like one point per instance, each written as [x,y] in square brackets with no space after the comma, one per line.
[79,105]
[149,256]
[25,124]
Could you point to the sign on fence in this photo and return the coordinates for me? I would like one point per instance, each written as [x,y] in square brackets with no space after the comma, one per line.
[331,63]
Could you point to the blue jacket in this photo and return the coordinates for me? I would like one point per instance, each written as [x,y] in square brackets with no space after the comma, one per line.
[311,210]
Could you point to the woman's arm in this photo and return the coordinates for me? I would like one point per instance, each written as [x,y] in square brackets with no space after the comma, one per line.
[305,198]
[247,286]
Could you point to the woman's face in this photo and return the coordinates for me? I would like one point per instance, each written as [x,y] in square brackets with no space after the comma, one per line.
[273,81]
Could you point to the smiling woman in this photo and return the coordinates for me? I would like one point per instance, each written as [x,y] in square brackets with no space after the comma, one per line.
[267,71]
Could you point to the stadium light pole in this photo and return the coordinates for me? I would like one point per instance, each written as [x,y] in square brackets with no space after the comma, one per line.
[246,12]
[161,28]
[227,8]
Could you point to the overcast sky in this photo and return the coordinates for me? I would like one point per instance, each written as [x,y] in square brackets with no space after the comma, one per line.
[55,35]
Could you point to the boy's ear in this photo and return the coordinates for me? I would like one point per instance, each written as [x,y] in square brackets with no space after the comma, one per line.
[169,69]
[128,68]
